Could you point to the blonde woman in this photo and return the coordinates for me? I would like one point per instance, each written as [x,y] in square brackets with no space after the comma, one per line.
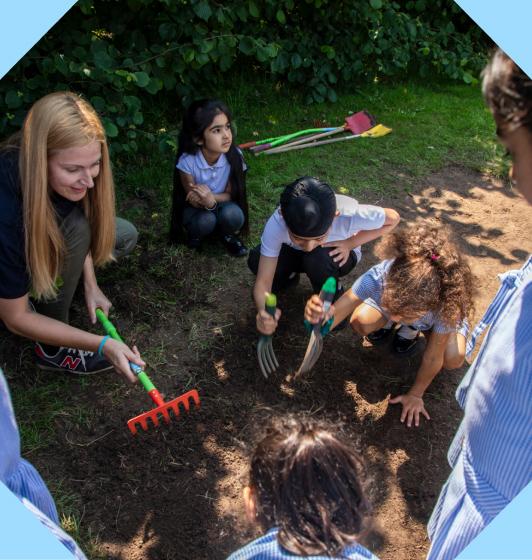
[57,222]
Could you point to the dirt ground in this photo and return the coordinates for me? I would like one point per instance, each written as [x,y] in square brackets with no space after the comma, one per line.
[174,493]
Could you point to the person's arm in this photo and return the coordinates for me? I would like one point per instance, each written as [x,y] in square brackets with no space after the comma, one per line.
[199,195]
[21,320]
[391,220]
[94,297]
[344,307]
[224,196]
[342,248]
[266,324]
[431,365]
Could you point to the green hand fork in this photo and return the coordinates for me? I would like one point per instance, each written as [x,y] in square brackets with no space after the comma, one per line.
[162,408]
[315,345]
[267,360]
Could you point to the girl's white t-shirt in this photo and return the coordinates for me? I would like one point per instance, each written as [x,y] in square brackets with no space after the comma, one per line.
[214,176]
[353,217]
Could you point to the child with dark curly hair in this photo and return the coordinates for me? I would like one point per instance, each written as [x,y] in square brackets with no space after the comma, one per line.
[423,285]
[305,490]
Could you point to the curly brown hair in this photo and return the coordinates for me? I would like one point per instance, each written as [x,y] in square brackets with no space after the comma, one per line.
[307,481]
[428,273]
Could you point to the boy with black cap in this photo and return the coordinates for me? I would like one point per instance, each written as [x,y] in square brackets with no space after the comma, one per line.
[314,231]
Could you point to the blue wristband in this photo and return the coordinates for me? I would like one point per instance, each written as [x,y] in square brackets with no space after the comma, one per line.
[102,344]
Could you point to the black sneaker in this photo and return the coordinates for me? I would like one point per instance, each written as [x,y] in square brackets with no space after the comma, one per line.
[380,334]
[234,246]
[403,345]
[71,360]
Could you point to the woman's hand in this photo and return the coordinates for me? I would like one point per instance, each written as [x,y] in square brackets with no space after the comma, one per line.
[412,407]
[94,298]
[266,324]
[341,250]
[314,312]
[119,354]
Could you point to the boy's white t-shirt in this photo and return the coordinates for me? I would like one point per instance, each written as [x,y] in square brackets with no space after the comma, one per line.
[354,217]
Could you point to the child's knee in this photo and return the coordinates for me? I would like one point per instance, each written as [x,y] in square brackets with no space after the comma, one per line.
[454,362]
[231,216]
[360,326]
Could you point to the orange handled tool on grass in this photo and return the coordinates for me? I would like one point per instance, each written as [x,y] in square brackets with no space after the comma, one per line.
[162,408]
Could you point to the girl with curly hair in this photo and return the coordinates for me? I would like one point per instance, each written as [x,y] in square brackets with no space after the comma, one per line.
[423,285]
[305,489]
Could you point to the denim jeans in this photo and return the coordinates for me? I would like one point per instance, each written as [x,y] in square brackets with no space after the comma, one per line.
[227,217]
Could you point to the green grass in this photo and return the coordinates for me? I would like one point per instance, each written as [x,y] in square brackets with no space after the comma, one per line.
[434,125]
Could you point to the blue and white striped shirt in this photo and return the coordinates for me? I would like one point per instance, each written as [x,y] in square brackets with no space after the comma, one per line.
[22,478]
[491,454]
[369,288]
[267,548]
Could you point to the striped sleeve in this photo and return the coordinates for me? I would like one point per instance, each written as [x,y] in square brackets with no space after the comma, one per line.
[370,285]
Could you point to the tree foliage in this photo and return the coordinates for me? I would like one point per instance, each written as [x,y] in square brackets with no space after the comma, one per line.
[123,55]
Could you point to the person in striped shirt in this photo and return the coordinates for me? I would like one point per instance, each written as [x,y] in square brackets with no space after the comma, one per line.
[306,491]
[424,285]
[491,454]
[23,479]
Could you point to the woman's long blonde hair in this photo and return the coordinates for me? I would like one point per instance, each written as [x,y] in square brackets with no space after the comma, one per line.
[58,121]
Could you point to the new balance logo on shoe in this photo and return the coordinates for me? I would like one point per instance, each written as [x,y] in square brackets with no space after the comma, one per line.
[72,360]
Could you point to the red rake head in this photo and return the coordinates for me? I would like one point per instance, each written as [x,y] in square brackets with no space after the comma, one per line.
[360,122]
[164,410]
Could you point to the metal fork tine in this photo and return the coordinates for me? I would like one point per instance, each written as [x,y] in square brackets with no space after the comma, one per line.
[268,356]
[273,357]
[260,357]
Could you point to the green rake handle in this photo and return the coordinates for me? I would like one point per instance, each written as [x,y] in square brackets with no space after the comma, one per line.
[146,382]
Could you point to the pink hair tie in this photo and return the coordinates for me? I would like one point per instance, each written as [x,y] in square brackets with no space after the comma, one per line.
[434,257]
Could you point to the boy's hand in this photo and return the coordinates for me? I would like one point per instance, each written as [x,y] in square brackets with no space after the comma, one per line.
[412,407]
[341,251]
[266,324]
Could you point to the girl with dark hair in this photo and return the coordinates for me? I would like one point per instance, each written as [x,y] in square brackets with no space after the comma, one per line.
[423,285]
[305,489]
[209,179]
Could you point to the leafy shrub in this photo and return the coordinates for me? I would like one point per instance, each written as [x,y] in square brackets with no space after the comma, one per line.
[127,56]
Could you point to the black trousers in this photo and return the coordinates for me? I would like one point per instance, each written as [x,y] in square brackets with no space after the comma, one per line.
[317,264]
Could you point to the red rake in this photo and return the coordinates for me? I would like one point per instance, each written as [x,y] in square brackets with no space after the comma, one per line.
[163,408]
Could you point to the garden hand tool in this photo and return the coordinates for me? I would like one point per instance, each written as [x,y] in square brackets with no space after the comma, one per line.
[284,137]
[356,124]
[162,408]
[375,132]
[267,360]
[287,137]
[319,330]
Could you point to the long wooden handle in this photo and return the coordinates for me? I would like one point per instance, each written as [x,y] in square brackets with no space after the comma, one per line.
[316,136]
[310,144]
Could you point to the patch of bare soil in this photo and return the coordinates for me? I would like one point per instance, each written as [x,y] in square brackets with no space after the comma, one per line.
[174,493]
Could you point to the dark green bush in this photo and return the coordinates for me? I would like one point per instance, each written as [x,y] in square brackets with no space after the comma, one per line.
[125,56]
